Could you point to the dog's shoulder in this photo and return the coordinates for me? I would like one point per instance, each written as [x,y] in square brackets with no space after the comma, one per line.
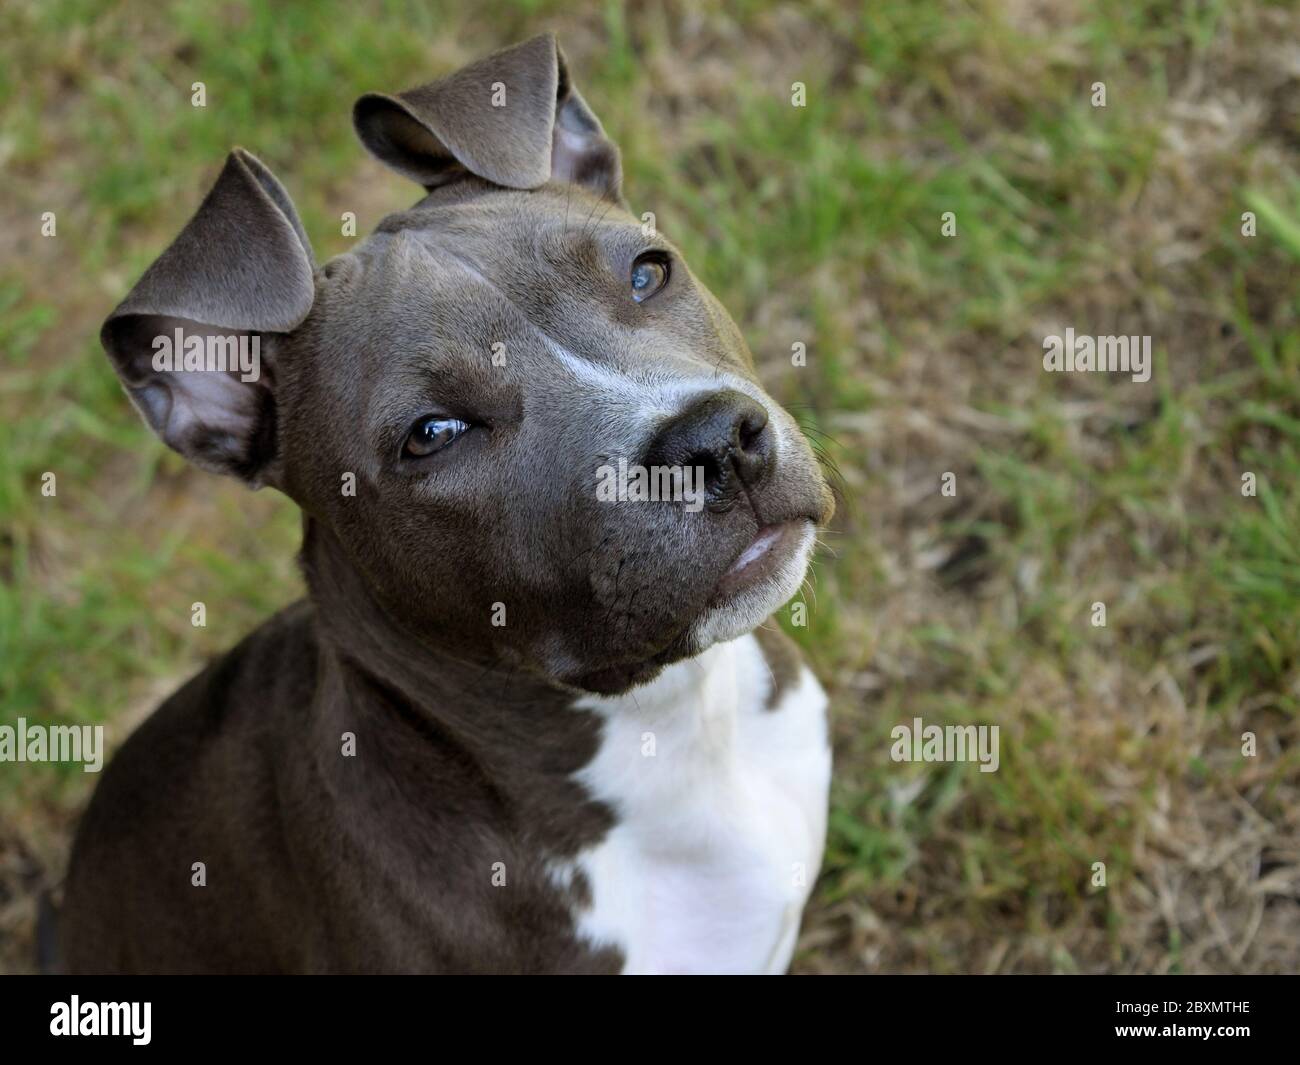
[173,742]
[276,662]
[156,812]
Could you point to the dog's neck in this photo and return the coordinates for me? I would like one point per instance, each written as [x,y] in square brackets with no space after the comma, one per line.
[356,629]
[509,736]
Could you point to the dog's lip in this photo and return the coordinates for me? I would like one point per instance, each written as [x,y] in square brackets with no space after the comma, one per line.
[771,547]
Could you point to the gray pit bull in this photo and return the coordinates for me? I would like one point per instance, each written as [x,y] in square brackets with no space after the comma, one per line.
[515,727]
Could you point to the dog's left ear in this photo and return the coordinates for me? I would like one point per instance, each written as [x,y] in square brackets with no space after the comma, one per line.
[513,118]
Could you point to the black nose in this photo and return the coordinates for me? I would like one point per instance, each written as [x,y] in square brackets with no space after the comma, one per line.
[726,434]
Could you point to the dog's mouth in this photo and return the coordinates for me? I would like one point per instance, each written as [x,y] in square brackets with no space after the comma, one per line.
[739,589]
[773,546]
[762,575]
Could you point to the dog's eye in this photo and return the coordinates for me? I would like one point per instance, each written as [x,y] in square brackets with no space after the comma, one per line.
[432,434]
[649,275]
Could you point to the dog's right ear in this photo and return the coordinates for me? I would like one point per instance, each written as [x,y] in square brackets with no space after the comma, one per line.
[240,269]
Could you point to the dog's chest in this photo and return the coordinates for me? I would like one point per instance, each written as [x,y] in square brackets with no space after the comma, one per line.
[721,805]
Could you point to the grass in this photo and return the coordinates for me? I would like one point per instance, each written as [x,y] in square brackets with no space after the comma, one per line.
[819,225]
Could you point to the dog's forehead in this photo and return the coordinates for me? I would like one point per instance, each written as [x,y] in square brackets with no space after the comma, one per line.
[522,245]
[538,263]
[419,294]
[512,230]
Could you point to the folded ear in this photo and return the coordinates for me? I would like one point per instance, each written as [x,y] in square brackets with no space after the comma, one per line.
[513,118]
[188,341]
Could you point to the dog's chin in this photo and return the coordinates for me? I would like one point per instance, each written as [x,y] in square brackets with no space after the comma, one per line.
[618,679]
[765,576]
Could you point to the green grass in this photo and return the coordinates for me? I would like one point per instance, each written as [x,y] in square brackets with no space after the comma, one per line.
[818,225]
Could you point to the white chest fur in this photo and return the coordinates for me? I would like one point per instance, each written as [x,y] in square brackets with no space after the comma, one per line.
[722,816]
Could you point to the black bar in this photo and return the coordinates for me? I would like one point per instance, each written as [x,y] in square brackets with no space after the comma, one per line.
[870,1013]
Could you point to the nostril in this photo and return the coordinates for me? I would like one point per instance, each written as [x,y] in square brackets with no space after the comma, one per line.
[751,429]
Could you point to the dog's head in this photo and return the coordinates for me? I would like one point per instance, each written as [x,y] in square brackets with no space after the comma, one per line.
[487,400]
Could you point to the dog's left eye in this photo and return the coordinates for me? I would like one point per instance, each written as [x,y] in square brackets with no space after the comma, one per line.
[649,275]
[433,434]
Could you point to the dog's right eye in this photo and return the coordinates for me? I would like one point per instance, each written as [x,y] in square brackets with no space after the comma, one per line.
[432,434]
[649,275]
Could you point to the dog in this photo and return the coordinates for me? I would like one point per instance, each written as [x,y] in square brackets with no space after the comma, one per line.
[514,727]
